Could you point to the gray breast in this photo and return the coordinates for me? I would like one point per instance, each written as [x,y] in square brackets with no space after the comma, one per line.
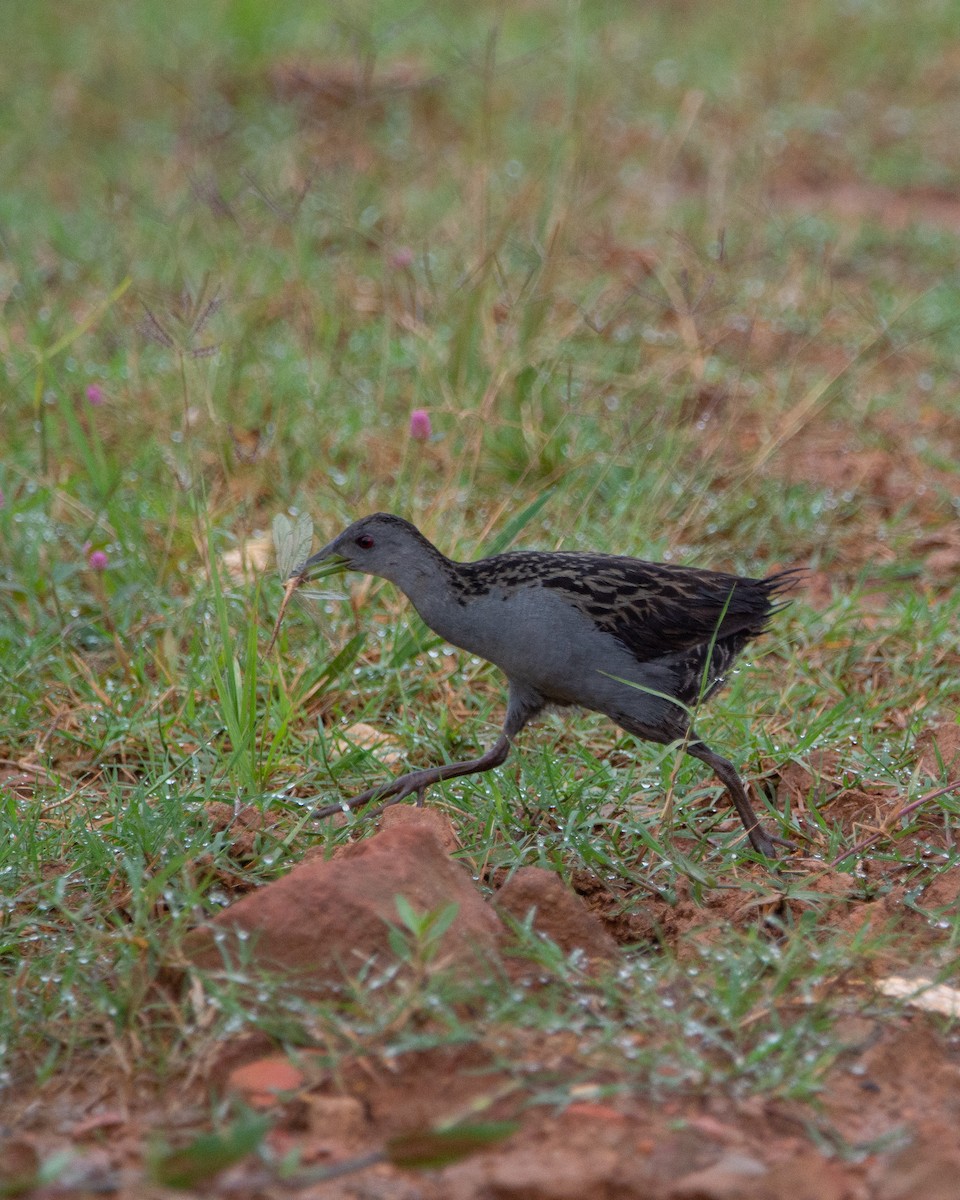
[538,639]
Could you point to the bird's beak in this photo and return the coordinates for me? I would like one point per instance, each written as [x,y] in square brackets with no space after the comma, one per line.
[324,562]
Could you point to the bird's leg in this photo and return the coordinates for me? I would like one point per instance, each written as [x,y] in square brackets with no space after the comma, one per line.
[523,704]
[726,772]
[419,781]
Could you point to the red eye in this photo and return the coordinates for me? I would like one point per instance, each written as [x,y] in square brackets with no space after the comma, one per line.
[365,541]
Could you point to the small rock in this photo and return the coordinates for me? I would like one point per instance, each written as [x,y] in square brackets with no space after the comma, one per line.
[339,1117]
[328,918]
[733,1177]
[260,1082]
[557,912]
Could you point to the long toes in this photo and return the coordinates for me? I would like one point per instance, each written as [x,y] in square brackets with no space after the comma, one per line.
[763,843]
[338,806]
[396,791]
[407,790]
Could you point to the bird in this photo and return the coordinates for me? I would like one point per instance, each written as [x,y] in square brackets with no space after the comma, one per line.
[643,643]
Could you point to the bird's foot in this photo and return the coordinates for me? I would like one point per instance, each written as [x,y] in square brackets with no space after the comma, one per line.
[419,781]
[766,843]
[389,793]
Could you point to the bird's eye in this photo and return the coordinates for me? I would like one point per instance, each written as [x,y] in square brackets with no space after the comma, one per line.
[365,541]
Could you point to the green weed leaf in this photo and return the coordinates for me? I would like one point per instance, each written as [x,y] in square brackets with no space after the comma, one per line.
[208,1154]
[428,1148]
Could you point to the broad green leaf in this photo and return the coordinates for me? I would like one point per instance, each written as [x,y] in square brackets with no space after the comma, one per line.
[438,1147]
[208,1154]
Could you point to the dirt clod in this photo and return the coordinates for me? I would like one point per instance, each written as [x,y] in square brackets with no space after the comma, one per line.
[329,918]
[730,1178]
[557,913]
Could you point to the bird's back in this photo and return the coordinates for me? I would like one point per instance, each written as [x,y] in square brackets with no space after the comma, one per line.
[654,610]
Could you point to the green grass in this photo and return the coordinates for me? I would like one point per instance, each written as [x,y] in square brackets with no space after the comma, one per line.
[582,238]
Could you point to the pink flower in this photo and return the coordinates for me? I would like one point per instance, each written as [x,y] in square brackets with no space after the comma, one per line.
[420,428]
[402,259]
[94,394]
[97,560]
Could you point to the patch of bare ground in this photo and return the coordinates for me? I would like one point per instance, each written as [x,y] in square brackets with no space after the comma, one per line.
[882,1128]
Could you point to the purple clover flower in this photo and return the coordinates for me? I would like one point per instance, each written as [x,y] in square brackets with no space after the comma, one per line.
[420,427]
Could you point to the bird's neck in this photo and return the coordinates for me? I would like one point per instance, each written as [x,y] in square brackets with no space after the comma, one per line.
[430,584]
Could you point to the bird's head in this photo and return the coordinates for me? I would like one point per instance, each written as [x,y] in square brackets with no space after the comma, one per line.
[381,544]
